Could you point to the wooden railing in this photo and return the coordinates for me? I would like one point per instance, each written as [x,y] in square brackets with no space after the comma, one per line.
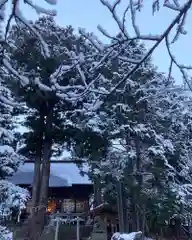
[71,218]
[77,224]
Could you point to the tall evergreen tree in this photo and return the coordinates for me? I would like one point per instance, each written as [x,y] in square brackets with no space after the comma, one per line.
[54,98]
[12,198]
[149,130]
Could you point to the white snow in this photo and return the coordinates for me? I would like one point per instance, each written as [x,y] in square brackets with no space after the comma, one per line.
[5,234]
[40,9]
[5,149]
[125,236]
[65,155]
[14,198]
[8,236]
[42,86]
[20,16]
[24,80]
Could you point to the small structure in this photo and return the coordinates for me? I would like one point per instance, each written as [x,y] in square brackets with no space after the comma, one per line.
[68,205]
[105,222]
[68,191]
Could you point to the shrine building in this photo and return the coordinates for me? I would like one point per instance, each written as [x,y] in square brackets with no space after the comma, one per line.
[69,190]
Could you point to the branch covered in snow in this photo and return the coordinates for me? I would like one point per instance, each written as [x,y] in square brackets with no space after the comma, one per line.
[71,73]
[175,27]
[17,15]
[13,198]
[5,234]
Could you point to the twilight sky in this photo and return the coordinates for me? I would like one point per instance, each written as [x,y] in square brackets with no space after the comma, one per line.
[89,13]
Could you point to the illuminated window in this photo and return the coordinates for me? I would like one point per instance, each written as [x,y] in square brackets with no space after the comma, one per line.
[68,205]
[51,206]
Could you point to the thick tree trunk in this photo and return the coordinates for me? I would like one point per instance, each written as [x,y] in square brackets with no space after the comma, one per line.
[120,207]
[35,200]
[37,167]
[30,228]
[139,178]
[97,192]
[37,220]
[134,215]
[36,185]
[126,217]
[47,145]
[44,185]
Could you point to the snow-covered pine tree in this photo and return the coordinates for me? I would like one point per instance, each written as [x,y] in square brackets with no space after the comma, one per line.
[7,15]
[12,198]
[174,105]
[56,111]
[141,118]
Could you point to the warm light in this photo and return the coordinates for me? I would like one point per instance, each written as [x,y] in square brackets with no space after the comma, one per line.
[51,206]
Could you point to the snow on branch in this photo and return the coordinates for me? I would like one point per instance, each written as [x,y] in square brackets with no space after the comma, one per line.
[40,9]
[23,80]
[177,24]
[16,14]
[12,198]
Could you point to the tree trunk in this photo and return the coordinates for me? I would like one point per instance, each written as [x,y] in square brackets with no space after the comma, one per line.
[143,222]
[30,228]
[37,168]
[35,198]
[97,192]
[36,185]
[47,145]
[126,217]
[139,178]
[120,206]
[38,221]
[134,215]
[43,200]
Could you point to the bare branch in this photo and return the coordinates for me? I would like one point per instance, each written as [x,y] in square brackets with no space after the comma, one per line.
[180,28]
[182,68]
[124,17]
[163,36]
[40,9]
[133,18]
[17,15]
[170,69]
[112,9]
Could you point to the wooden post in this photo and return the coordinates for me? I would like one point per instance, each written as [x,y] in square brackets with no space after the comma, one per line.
[78,237]
[57,228]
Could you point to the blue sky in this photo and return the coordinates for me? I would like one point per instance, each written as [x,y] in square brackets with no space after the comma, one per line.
[89,13]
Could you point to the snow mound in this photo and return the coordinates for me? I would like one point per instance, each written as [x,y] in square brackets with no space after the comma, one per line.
[127,236]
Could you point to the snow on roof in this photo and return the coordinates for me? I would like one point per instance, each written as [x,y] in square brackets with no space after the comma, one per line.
[62,174]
